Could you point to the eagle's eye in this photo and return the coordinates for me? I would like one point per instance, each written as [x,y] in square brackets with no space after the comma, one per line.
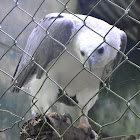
[82,53]
[100,50]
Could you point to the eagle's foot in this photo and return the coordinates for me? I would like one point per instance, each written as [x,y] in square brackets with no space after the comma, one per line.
[86,127]
[68,116]
[61,117]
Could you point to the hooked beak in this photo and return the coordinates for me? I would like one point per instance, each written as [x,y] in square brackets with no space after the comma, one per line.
[90,60]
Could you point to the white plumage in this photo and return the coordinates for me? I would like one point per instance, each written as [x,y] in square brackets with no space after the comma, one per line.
[94,43]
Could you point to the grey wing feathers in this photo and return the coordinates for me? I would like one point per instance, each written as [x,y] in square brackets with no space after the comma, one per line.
[113,64]
[42,48]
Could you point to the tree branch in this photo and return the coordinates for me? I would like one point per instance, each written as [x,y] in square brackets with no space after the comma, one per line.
[33,127]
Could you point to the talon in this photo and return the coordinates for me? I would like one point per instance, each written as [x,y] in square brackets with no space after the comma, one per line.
[60,117]
[55,115]
[89,131]
[67,116]
[93,134]
[85,126]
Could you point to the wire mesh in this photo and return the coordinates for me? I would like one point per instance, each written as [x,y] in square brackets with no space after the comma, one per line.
[14,47]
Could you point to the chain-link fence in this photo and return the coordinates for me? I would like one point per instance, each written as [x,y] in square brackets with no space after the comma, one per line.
[116,112]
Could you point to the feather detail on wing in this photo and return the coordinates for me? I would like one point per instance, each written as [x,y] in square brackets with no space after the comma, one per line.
[57,28]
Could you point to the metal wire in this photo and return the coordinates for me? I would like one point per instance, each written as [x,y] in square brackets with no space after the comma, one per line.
[15,43]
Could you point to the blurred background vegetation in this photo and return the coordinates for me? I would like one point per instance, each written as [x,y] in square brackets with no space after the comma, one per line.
[125,81]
